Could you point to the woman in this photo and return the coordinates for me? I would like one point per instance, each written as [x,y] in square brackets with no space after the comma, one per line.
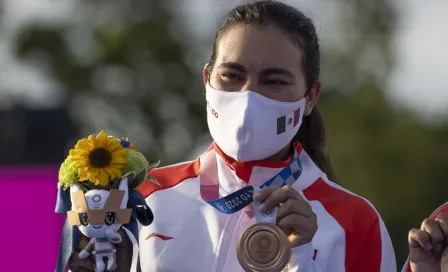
[261,83]
[428,250]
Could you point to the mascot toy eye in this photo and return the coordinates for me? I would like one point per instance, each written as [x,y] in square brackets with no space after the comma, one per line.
[96,192]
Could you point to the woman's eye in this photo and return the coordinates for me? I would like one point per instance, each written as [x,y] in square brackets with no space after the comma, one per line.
[230,76]
[109,218]
[275,82]
[84,219]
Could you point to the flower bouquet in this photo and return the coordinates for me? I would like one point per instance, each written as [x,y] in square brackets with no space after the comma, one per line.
[97,184]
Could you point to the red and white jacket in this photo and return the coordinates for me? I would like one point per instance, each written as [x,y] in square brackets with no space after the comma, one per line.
[441,209]
[190,235]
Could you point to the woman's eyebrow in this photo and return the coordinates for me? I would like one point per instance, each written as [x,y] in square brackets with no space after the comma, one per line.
[276,71]
[263,73]
[233,65]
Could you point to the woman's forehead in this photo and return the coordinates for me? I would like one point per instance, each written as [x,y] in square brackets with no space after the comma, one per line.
[259,47]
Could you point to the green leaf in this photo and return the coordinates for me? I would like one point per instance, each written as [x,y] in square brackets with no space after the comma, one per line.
[153,179]
[153,165]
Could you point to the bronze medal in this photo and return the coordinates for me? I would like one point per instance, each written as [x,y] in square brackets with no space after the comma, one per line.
[263,247]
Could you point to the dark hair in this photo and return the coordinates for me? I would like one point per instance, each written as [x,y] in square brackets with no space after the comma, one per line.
[299,27]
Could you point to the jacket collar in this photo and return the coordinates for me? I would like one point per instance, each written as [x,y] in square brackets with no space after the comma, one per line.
[246,171]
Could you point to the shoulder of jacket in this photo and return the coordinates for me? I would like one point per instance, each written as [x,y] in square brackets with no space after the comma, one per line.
[169,176]
[342,204]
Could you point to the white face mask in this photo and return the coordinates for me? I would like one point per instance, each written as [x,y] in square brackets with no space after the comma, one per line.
[248,126]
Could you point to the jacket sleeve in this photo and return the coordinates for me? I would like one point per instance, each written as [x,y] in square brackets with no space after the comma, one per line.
[376,255]
[302,260]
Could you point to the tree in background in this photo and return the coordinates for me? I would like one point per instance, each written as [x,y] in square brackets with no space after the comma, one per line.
[383,153]
[125,68]
[123,65]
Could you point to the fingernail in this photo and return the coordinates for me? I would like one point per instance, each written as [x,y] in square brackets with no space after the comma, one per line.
[261,208]
[428,246]
[257,195]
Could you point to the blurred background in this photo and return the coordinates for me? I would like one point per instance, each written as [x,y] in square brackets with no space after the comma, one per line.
[133,68]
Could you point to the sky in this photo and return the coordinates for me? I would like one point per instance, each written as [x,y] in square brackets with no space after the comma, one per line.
[421,43]
[422,50]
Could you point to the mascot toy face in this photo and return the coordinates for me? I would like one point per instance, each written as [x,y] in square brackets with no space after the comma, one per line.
[97,212]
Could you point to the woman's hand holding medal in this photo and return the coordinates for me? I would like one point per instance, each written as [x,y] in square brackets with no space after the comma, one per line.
[294,214]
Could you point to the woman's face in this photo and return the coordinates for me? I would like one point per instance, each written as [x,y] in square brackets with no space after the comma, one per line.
[261,59]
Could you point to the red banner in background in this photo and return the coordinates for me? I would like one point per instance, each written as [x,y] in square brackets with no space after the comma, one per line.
[30,229]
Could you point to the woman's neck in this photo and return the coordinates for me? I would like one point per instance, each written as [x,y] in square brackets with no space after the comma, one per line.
[282,154]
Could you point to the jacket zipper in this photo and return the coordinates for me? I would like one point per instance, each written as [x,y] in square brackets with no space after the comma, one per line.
[233,222]
[229,230]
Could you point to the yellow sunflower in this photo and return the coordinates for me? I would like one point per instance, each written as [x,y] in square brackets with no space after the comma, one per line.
[99,158]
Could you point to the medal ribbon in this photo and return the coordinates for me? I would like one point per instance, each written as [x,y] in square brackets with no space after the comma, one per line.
[268,217]
[209,186]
